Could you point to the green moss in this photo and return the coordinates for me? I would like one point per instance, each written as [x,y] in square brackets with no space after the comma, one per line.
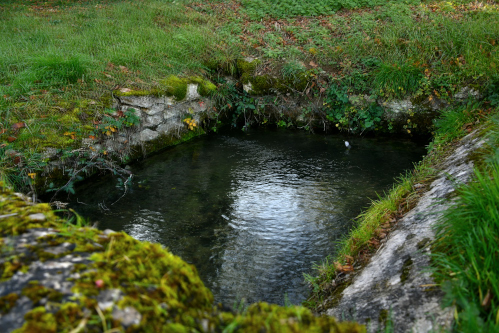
[175,86]
[152,92]
[166,291]
[383,316]
[38,320]
[263,317]
[52,137]
[36,292]
[247,67]
[19,223]
[9,268]
[262,84]
[7,302]
[107,100]
[406,269]
[206,88]
[422,243]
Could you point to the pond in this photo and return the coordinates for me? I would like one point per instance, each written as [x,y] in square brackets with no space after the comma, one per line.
[251,210]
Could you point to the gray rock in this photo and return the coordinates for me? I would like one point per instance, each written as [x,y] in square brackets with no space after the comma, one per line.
[399,106]
[49,153]
[139,101]
[58,250]
[155,109]
[466,93]
[170,128]
[38,217]
[145,136]
[152,121]
[107,298]
[128,316]
[192,92]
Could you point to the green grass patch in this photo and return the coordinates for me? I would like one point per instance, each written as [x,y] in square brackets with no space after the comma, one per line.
[467,244]
[258,9]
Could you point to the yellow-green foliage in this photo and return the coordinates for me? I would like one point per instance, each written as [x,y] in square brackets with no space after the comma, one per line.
[263,317]
[166,291]
[175,86]
[35,292]
[152,92]
[206,88]
[7,302]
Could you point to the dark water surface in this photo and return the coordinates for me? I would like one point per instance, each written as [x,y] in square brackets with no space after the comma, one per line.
[251,211]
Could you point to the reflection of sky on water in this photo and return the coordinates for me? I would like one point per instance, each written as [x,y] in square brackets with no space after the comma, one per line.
[277,225]
[146,225]
[251,211]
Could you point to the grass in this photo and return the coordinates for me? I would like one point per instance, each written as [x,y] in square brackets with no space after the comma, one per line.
[467,246]
[438,45]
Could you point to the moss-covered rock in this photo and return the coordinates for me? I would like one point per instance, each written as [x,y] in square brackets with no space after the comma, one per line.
[264,84]
[173,86]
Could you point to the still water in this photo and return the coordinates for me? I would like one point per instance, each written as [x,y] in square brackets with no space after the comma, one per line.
[252,211]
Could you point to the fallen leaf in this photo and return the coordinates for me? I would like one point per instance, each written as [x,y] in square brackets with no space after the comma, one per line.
[313,64]
[11,139]
[3,130]
[17,126]
[125,90]
[343,268]
[486,300]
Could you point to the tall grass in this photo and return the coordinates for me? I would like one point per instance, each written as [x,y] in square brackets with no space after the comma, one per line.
[467,248]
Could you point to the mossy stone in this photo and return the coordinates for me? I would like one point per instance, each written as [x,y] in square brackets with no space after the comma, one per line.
[175,86]
[206,88]
[247,67]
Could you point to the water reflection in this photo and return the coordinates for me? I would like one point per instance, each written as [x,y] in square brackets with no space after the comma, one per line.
[252,211]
